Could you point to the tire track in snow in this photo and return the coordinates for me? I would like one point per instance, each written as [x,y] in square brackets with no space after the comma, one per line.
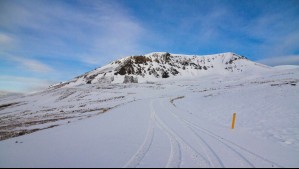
[191,126]
[222,140]
[209,151]
[198,157]
[144,147]
[175,158]
[232,149]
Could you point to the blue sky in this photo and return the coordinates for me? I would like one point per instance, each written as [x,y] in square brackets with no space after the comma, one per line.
[47,41]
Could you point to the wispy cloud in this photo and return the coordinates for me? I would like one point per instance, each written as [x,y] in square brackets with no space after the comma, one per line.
[89,30]
[23,84]
[31,65]
[5,39]
[58,38]
[282,60]
[252,28]
[117,35]
[277,31]
[6,42]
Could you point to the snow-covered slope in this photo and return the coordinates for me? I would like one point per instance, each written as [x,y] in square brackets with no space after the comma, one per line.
[167,123]
[159,66]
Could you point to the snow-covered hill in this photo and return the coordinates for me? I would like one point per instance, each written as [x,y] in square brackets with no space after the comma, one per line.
[159,66]
[180,121]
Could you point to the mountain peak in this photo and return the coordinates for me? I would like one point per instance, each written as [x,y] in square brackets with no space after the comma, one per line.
[157,66]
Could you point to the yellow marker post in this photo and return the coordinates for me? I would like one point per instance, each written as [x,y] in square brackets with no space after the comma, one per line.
[234,120]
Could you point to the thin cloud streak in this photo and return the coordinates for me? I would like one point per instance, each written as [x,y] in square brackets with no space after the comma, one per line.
[101,30]
[282,60]
[5,39]
[32,65]
[23,84]
[7,42]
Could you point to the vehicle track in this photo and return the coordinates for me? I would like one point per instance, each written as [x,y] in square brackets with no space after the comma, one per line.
[174,160]
[175,157]
[200,159]
[210,150]
[229,144]
[223,140]
[144,147]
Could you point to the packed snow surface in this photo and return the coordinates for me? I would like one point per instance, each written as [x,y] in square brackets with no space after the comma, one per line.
[183,122]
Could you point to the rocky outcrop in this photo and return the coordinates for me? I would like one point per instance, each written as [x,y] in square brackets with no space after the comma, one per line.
[163,65]
[130,79]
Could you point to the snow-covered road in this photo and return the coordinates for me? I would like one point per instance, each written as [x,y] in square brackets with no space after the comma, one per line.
[145,133]
[185,124]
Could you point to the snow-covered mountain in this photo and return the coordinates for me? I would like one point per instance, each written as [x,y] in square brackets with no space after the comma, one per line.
[179,114]
[158,66]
